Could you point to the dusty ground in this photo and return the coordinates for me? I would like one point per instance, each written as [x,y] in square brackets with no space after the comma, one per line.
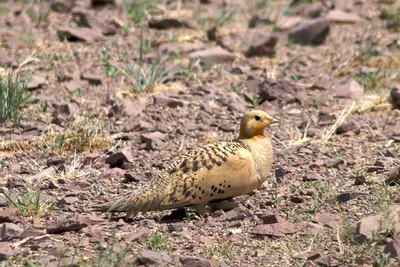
[87,135]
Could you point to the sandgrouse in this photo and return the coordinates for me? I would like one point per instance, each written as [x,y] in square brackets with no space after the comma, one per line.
[211,173]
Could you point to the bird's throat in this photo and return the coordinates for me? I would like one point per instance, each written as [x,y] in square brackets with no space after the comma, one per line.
[249,133]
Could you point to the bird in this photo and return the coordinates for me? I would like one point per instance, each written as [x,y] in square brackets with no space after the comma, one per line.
[215,172]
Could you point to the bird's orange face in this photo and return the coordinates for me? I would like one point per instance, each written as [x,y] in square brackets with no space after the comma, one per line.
[254,123]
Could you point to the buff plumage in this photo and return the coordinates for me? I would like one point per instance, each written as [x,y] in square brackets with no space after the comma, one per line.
[214,172]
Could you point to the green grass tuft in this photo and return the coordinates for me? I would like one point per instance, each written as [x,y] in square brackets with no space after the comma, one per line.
[143,76]
[29,203]
[13,96]
[392,16]
[158,242]
[38,11]
[138,10]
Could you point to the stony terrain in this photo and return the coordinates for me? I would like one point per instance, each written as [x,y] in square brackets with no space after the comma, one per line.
[95,128]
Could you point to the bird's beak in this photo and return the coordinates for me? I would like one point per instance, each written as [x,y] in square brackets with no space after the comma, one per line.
[273,121]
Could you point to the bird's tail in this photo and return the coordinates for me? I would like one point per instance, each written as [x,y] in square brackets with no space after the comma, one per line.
[147,198]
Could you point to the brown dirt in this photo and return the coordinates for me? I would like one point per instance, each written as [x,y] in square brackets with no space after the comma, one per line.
[320,187]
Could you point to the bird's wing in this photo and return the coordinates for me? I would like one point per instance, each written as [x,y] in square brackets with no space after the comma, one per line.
[215,171]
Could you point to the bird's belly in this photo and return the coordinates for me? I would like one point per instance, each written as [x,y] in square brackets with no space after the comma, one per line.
[244,187]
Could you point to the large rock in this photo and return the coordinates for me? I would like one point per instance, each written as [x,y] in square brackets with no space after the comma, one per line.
[152,257]
[283,91]
[312,31]
[351,89]
[393,249]
[89,20]
[163,23]
[393,176]
[9,215]
[119,157]
[72,224]
[79,34]
[395,94]
[188,261]
[379,223]
[327,219]
[278,229]
[263,47]
[10,231]
[212,56]
[5,251]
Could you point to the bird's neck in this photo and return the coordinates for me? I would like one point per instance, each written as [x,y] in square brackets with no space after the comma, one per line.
[261,150]
[248,133]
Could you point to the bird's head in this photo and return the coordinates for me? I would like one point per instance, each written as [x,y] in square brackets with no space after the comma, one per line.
[254,123]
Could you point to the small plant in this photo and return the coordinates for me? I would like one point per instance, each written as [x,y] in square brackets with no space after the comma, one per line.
[4,10]
[111,71]
[13,96]
[392,16]
[158,217]
[49,62]
[200,20]
[237,88]
[38,10]
[158,242]
[377,81]
[262,3]
[368,48]
[255,101]
[224,17]
[109,256]
[383,261]
[28,203]
[189,216]
[147,76]
[81,136]
[224,250]
[294,3]
[139,10]
[63,58]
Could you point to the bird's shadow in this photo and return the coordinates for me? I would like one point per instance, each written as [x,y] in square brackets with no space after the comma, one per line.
[175,216]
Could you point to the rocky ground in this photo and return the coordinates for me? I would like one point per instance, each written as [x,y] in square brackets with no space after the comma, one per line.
[94,128]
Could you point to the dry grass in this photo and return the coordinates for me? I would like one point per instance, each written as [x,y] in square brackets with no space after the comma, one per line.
[83,136]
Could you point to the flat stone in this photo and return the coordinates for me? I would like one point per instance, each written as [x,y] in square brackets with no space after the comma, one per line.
[9,215]
[5,251]
[312,31]
[212,56]
[10,231]
[79,34]
[337,15]
[152,257]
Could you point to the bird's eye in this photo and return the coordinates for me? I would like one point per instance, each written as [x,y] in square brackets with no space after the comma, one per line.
[257,118]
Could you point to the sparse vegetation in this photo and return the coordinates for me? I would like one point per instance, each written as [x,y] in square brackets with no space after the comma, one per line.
[38,11]
[225,17]
[378,81]
[29,203]
[145,77]
[82,135]
[225,250]
[255,101]
[4,11]
[115,111]
[13,96]
[391,13]
[262,3]
[139,11]
[158,242]
[110,256]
